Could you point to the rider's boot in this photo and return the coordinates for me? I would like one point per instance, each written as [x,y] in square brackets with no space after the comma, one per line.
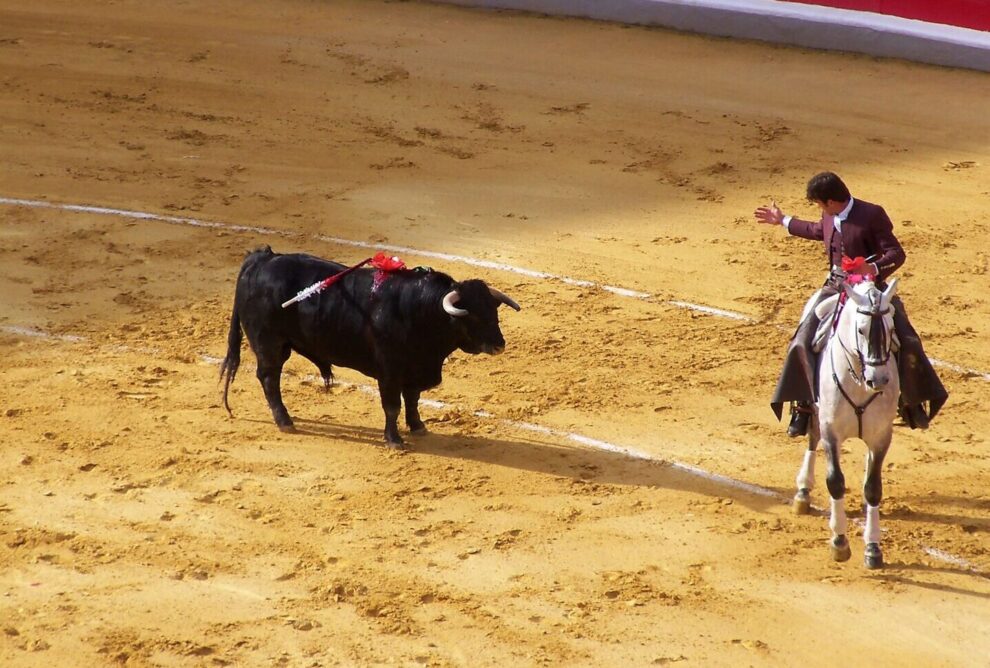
[800,417]
[914,415]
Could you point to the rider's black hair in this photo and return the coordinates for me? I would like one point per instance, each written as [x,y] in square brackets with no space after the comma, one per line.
[827,186]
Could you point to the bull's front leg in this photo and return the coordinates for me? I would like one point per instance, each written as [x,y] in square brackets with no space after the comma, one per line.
[391,396]
[415,424]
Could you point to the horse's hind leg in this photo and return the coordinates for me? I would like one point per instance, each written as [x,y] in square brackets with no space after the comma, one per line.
[837,491]
[806,474]
[873,493]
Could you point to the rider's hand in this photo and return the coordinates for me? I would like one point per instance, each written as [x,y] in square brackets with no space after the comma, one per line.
[866,269]
[771,215]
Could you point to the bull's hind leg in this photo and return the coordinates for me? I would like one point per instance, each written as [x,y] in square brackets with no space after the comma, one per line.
[873,493]
[270,364]
[806,474]
[413,421]
[837,491]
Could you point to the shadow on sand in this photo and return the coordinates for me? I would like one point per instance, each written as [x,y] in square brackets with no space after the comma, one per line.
[576,462]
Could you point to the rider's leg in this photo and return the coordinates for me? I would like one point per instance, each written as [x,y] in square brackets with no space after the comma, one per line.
[919,382]
[798,379]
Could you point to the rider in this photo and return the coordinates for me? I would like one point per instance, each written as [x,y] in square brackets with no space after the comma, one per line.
[850,228]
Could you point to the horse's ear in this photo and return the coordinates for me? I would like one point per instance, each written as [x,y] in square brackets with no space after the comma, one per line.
[857,299]
[826,306]
[891,288]
[889,293]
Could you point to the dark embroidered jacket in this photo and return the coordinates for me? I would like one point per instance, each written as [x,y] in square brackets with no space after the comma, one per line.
[867,231]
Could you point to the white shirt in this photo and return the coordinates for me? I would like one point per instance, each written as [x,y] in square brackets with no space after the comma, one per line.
[842,215]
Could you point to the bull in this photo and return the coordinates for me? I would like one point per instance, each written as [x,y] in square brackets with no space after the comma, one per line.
[398,330]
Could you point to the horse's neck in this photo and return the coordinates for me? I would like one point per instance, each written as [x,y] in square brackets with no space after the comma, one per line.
[841,358]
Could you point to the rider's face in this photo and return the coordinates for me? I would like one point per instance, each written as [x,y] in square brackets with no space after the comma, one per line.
[831,207]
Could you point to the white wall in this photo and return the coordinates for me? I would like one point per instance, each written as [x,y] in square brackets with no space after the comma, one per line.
[782,22]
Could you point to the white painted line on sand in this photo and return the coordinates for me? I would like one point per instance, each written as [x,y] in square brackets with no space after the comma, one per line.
[475,262]
[961,370]
[32,333]
[712,311]
[393,248]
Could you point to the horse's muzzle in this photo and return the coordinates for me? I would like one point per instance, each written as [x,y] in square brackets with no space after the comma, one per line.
[878,384]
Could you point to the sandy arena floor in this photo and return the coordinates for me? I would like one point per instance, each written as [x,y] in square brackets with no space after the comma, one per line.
[141,526]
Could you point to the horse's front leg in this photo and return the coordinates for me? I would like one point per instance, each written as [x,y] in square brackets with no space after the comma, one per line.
[837,491]
[873,493]
[806,474]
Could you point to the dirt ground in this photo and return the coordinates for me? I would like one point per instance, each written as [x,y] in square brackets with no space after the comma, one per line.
[141,526]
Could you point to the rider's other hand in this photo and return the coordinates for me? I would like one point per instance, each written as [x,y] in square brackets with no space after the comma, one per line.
[771,215]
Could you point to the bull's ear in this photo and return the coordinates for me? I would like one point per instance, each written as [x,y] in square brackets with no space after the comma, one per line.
[503,298]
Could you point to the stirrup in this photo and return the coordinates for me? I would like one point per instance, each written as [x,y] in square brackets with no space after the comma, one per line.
[800,418]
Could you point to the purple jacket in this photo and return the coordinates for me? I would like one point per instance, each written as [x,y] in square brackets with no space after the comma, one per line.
[867,231]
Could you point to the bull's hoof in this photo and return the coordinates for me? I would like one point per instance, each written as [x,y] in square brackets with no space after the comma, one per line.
[873,557]
[840,549]
[419,431]
[393,441]
[287,428]
[802,503]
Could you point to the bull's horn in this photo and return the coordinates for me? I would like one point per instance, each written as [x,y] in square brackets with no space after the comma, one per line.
[504,298]
[448,305]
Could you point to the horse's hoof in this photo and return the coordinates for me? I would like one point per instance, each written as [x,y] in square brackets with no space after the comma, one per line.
[873,558]
[395,445]
[419,431]
[802,503]
[287,428]
[840,549]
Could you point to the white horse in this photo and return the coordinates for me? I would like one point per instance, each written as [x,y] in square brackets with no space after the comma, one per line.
[858,391]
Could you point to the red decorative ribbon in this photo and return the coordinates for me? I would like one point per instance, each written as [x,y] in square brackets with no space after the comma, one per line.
[854,268]
[385,265]
[382,263]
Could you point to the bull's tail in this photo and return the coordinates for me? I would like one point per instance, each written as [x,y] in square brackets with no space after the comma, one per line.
[230,364]
[228,368]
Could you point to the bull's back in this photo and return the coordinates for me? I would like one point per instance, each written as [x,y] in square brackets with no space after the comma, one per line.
[328,328]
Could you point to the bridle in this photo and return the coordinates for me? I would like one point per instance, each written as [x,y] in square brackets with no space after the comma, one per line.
[878,345]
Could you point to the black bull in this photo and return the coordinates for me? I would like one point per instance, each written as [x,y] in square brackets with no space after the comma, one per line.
[398,332]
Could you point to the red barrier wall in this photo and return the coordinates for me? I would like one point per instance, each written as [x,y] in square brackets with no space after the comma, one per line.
[963,13]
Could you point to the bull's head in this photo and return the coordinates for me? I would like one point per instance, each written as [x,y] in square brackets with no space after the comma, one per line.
[474,310]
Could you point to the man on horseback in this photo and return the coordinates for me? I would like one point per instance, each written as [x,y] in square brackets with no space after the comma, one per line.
[850,228]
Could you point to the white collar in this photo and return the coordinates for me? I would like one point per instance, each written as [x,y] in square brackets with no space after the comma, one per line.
[842,215]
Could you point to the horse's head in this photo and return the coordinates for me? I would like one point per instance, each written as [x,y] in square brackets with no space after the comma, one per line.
[867,331]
